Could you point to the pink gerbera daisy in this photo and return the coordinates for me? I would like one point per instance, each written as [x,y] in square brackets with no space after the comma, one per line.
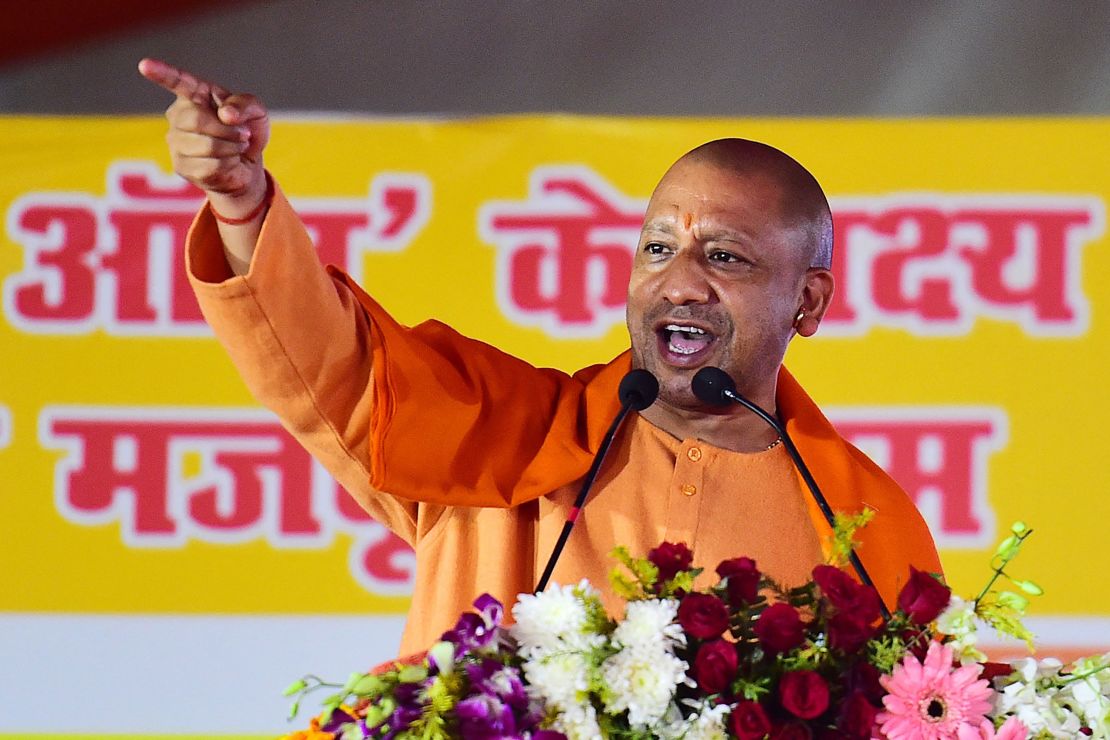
[931,700]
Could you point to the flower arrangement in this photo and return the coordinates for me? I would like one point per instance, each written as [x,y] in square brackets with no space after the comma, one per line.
[743,659]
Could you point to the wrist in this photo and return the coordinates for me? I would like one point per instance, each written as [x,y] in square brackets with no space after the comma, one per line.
[246,207]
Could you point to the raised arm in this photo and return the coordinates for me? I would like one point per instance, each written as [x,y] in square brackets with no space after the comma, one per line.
[299,340]
[216,140]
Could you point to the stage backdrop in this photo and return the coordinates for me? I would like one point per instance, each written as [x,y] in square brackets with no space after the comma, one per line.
[169,559]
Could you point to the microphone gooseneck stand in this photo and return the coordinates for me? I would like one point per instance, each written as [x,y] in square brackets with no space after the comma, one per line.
[637,391]
[716,387]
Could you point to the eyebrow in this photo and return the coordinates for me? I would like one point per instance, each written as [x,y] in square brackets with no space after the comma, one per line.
[713,233]
[659,225]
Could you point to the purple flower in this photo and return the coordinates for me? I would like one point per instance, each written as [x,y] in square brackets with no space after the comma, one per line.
[338,719]
[403,717]
[494,679]
[476,631]
[485,716]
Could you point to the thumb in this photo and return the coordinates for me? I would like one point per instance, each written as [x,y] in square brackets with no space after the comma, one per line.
[247,112]
[241,108]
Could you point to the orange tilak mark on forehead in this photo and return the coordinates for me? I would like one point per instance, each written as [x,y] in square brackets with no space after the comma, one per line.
[687,220]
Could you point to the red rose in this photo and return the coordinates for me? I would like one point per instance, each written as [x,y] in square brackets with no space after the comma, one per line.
[992,671]
[847,632]
[844,593]
[792,731]
[749,721]
[703,616]
[857,716]
[743,580]
[715,666]
[917,642]
[779,628]
[923,597]
[670,558]
[864,677]
[804,694]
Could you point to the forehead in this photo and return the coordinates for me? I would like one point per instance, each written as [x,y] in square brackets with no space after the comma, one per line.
[706,192]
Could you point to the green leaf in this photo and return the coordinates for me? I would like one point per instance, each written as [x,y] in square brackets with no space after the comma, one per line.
[295,688]
[623,586]
[1007,548]
[412,674]
[351,681]
[375,715]
[353,732]
[843,539]
[1029,587]
[1017,602]
[368,685]
[683,580]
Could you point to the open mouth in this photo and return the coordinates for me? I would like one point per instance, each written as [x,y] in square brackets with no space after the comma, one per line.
[684,344]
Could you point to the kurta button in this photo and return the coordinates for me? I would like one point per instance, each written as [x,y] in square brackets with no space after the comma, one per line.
[694,453]
[689,489]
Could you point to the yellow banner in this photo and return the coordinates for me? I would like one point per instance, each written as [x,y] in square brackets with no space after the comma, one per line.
[965,350]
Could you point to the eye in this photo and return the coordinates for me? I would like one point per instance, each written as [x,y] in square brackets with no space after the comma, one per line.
[722,256]
[655,248]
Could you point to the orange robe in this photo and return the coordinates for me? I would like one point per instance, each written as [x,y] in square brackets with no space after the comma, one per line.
[473,457]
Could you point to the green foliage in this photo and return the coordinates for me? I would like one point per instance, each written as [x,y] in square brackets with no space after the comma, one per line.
[624,587]
[843,538]
[1003,609]
[597,619]
[752,689]
[683,582]
[886,651]
[644,575]
[810,656]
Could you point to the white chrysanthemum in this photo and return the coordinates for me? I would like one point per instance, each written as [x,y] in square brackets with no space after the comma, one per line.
[553,620]
[642,681]
[707,722]
[578,722]
[958,620]
[650,625]
[560,679]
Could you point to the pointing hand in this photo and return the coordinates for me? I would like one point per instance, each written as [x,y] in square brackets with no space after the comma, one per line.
[216,138]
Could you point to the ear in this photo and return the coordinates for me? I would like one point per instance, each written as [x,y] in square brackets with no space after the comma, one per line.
[817,293]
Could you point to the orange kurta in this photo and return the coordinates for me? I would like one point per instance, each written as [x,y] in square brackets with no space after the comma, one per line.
[473,457]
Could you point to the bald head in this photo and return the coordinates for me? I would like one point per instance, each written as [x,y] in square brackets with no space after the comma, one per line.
[803,204]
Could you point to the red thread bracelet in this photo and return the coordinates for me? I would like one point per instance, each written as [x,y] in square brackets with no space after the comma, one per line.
[266,199]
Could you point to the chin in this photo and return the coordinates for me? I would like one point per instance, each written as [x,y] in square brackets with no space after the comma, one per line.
[674,391]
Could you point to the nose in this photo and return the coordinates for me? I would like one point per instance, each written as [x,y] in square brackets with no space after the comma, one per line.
[684,280]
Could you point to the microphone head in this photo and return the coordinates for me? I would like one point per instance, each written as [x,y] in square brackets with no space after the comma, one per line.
[638,390]
[710,385]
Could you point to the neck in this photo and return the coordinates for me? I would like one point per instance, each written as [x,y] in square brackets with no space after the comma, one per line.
[732,427]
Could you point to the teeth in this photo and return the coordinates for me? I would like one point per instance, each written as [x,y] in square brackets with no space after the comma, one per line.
[680,350]
[685,329]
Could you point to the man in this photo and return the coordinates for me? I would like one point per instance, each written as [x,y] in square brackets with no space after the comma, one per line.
[474,457]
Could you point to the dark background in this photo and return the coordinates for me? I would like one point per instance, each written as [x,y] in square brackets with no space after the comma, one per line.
[792,58]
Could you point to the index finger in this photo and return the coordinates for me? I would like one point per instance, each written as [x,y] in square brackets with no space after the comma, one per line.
[181,83]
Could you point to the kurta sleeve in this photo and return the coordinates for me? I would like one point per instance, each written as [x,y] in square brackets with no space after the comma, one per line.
[302,345]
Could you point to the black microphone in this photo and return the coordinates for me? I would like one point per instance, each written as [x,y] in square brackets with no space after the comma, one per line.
[715,387]
[637,391]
